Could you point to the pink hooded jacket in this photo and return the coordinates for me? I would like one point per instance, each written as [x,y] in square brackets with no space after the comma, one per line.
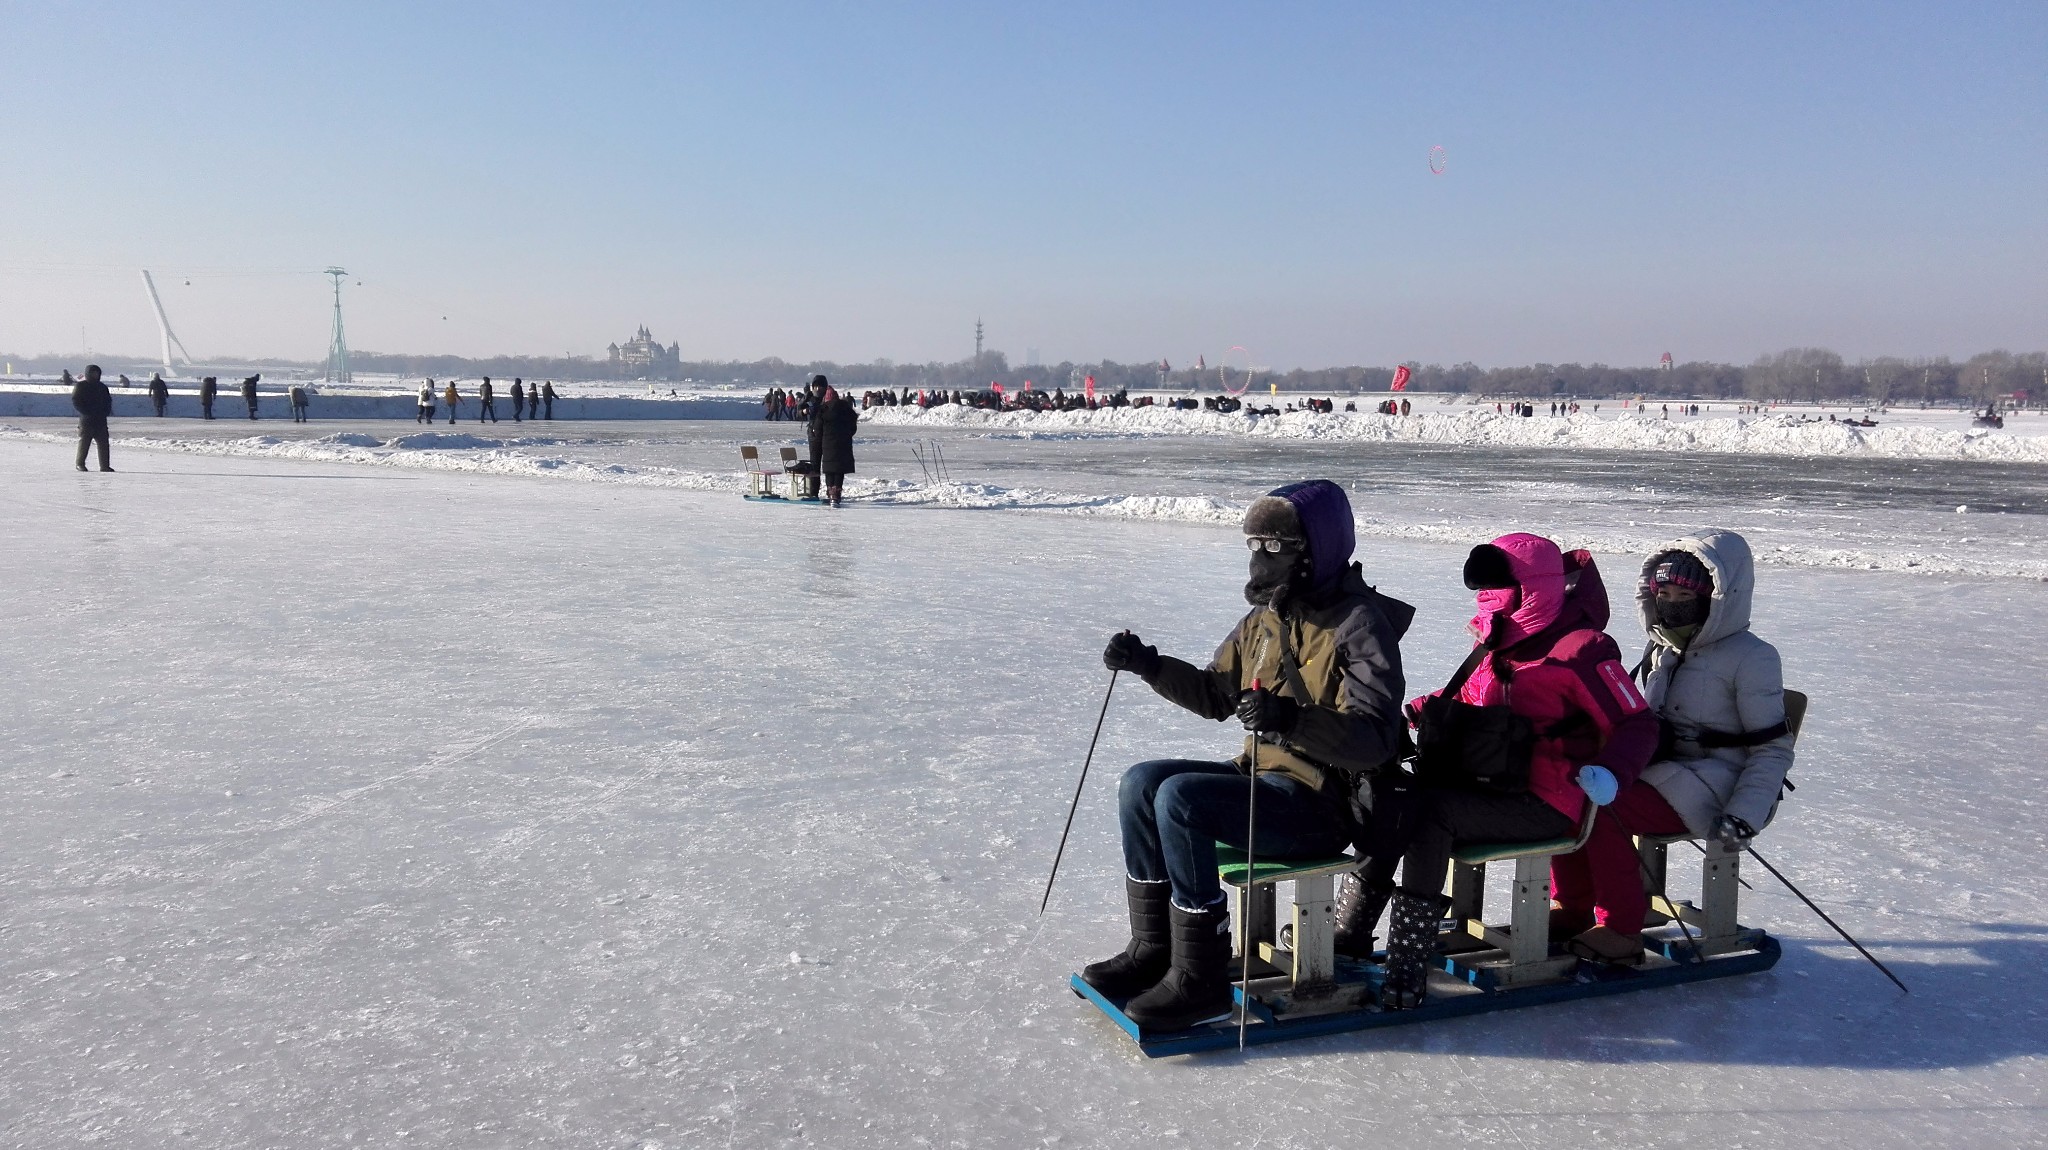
[1555,666]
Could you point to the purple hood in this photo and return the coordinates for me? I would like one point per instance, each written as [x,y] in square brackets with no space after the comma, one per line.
[1325,515]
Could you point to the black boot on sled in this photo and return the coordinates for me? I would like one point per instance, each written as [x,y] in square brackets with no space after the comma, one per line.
[1146,957]
[1197,987]
[1411,943]
[1360,902]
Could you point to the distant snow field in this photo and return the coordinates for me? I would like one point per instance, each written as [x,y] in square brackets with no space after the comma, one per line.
[375,787]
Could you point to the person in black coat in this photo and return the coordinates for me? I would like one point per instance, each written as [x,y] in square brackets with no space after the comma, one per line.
[249,393]
[547,395]
[816,396]
[208,388]
[159,393]
[838,421]
[93,403]
[518,399]
[487,401]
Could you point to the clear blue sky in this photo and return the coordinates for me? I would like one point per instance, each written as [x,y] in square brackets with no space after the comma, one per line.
[1097,181]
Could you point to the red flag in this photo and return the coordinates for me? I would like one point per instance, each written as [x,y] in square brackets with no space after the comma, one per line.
[1091,387]
[998,388]
[1400,378]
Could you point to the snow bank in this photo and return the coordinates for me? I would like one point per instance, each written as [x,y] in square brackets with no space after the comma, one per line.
[1757,435]
[516,457]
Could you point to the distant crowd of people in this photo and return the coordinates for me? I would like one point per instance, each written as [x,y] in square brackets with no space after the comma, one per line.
[535,402]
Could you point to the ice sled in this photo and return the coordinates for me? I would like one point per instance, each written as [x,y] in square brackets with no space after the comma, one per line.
[1310,990]
[761,479]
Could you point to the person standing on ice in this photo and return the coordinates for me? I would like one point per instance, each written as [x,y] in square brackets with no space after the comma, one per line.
[487,407]
[1314,674]
[1540,651]
[816,396]
[518,399]
[533,403]
[159,393]
[453,397]
[835,461]
[94,403]
[249,393]
[547,393]
[426,411]
[208,388]
[1720,691]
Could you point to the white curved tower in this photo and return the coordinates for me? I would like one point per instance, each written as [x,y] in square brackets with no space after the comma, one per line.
[163,324]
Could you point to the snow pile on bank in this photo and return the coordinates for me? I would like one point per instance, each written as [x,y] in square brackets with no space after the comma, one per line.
[1796,544]
[1754,435]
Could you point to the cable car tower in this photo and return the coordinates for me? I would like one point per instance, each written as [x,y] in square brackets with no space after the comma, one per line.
[337,348]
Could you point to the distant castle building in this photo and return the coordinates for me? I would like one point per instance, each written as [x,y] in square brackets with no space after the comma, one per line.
[641,355]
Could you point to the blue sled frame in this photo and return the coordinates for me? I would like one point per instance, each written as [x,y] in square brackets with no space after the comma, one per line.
[1448,999]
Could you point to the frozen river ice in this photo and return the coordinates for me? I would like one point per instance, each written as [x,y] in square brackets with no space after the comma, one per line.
[357,804]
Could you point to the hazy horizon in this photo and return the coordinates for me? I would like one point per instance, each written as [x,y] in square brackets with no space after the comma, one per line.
[1127,184]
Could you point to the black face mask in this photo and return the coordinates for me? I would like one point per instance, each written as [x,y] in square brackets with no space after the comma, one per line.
[1682,614]
[1272,571]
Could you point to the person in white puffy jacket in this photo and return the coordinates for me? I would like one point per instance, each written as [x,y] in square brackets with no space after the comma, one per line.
[1719,687]
[426,411]
[1720,694]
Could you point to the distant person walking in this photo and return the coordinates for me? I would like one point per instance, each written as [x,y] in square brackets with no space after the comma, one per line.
[487,408]
[92,401]
[159,393]
[533,402]
[208,388]
[453,397]
[547,394]
[518,398]
[298,397]
[249,393]
[426,411]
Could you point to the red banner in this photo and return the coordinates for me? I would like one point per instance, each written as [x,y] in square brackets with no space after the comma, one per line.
[1400,378]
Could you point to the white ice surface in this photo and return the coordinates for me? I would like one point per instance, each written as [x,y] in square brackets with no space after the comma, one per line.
[358,805]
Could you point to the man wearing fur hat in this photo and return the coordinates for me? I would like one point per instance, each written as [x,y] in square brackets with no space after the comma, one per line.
[1324,651]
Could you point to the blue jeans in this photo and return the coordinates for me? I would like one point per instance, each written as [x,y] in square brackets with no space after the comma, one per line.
[1175,811]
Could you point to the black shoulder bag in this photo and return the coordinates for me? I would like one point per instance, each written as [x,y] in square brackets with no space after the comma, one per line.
[1466,747]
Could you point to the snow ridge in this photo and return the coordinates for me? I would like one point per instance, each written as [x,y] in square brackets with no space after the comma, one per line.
[1753,435]
[480,455]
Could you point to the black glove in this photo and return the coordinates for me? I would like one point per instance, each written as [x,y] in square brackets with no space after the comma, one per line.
[1732,833]
[1267,713]
[1127,652]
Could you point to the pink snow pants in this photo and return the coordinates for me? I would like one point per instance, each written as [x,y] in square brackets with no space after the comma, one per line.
[1604,876]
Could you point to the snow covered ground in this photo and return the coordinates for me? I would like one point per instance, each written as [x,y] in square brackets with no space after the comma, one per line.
[375,795]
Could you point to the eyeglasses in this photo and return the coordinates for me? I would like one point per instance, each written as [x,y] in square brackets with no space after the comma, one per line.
[1271,544]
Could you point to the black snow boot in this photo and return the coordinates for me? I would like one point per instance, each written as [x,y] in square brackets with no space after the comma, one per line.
[1411,943]
[1150,951]
[1197,987]
[1360,902]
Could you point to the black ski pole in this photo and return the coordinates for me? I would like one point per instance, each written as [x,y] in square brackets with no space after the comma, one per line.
[1073,806]
[1738,878]
[1824,918]
[1251,872]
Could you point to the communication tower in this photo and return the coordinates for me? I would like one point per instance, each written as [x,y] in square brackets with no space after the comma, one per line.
[977,345]
[337,348]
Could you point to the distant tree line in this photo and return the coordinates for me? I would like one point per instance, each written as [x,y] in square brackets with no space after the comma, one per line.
[1801,374]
